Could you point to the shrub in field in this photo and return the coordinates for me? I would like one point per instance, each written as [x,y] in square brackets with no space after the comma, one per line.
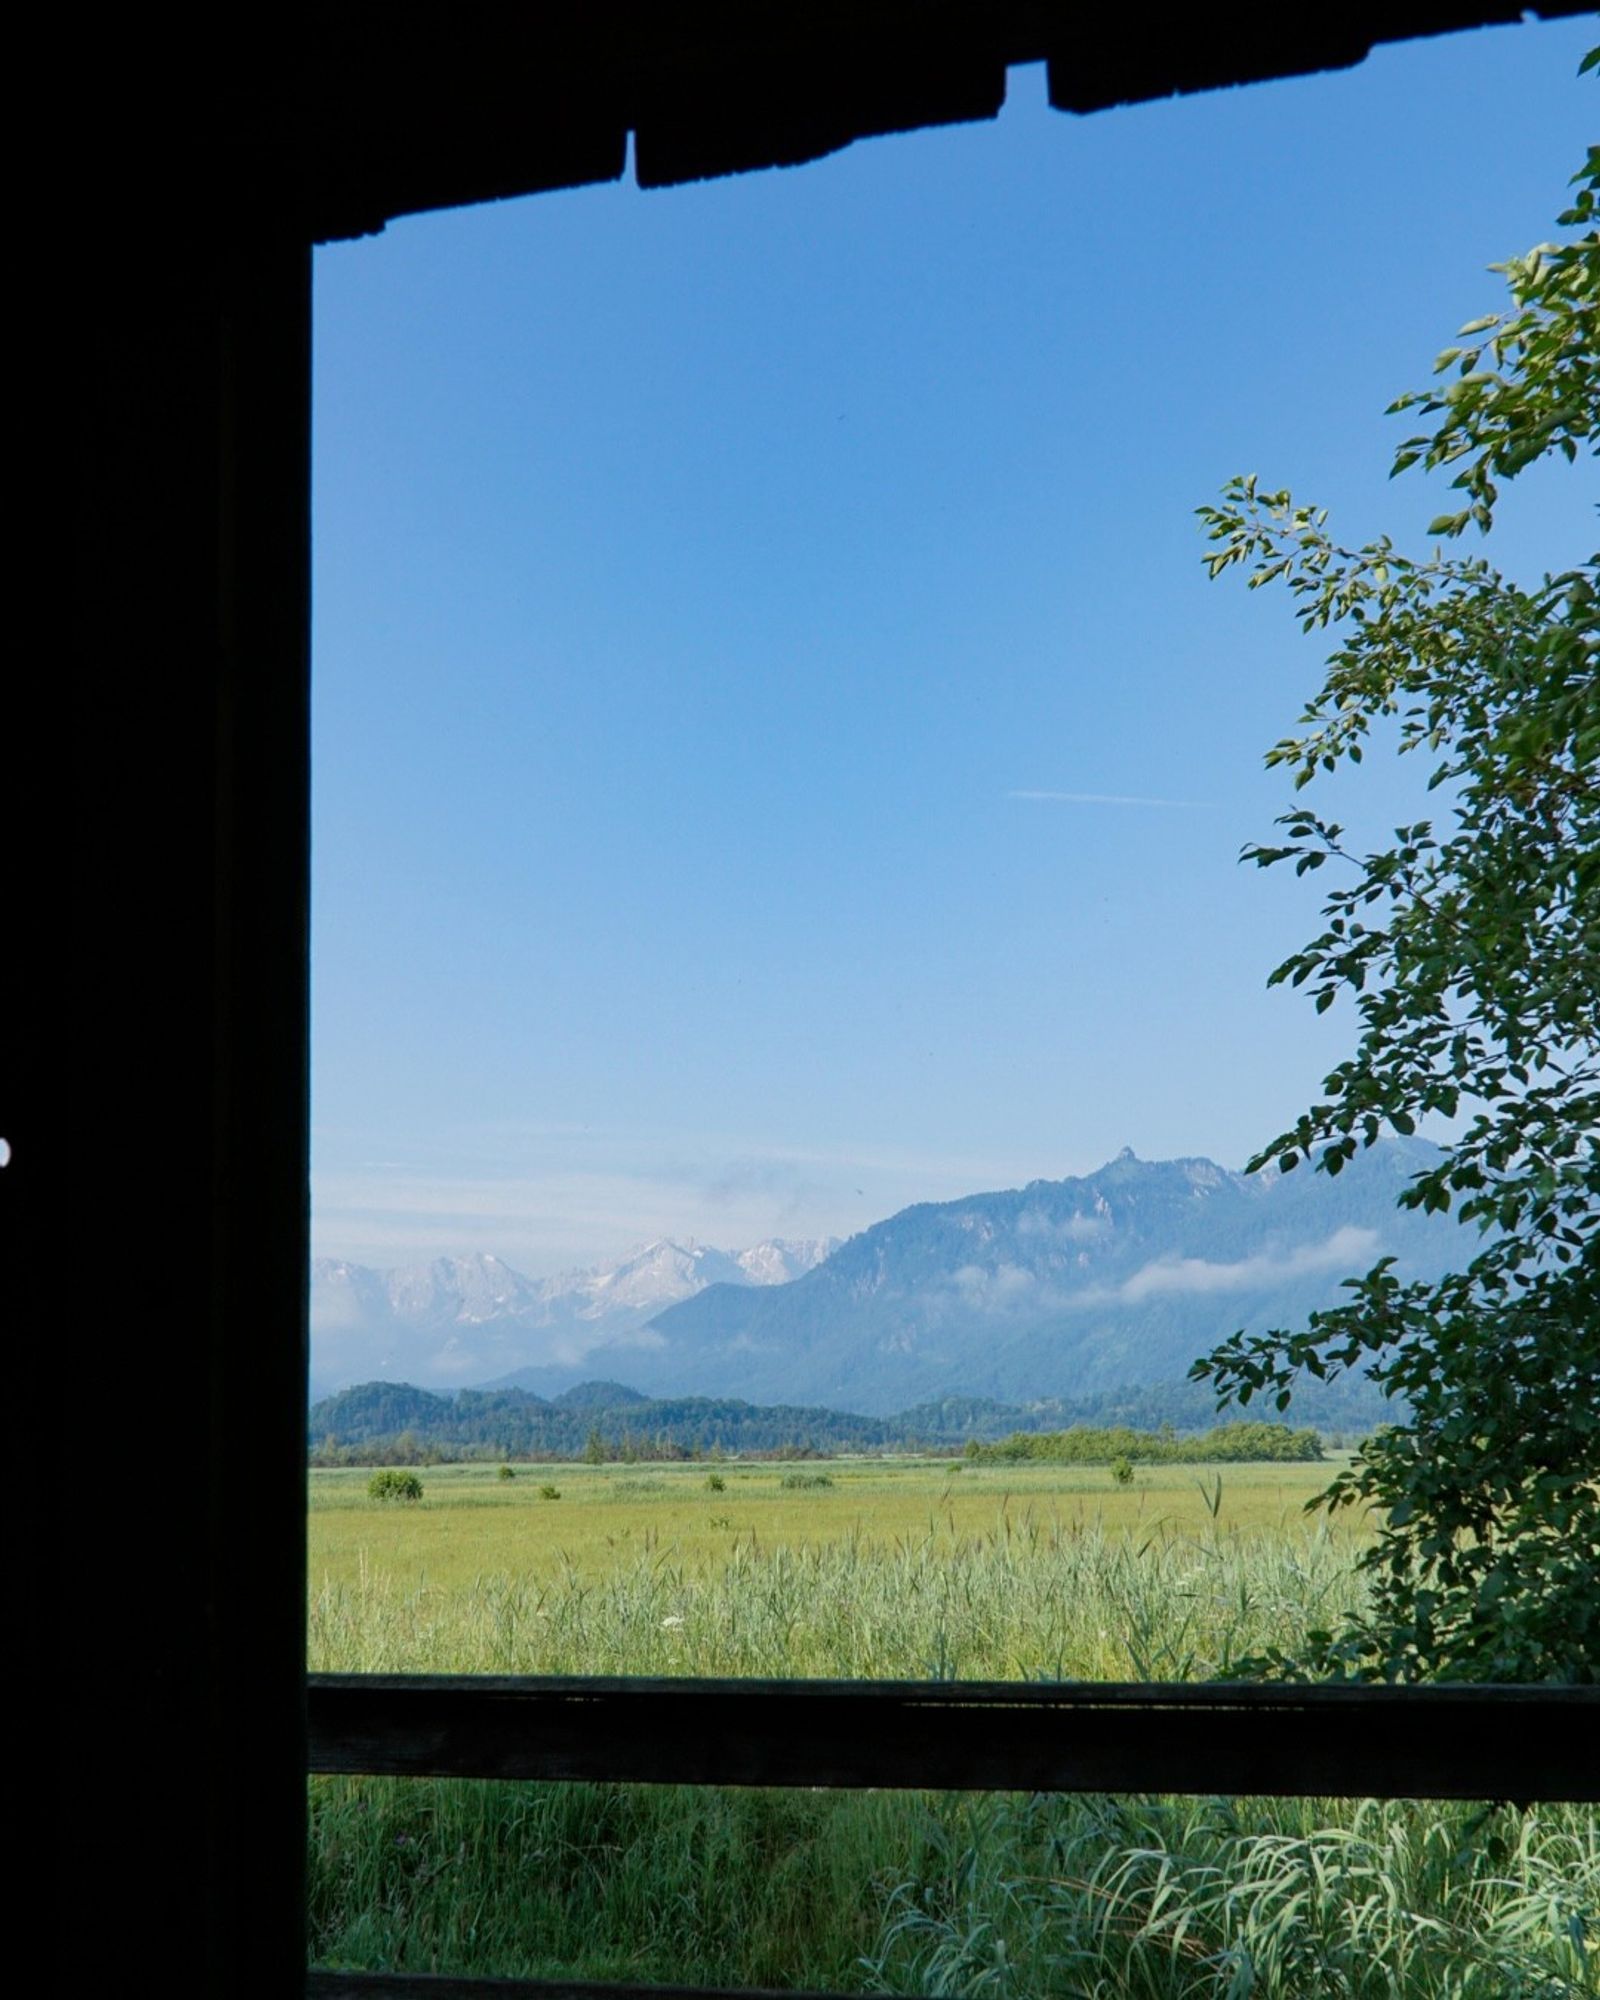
[549,1492]
[716,1482]
[507,1472]
[796,1480]
[1122,1471]
[391,1484]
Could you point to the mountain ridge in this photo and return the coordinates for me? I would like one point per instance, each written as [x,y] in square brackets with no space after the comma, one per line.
[1055,1289]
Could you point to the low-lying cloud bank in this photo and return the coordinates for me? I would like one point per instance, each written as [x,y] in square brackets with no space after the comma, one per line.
[1346,1249]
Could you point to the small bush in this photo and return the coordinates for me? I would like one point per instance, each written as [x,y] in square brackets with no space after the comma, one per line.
[507,1472]
[549,1492]
[800,1480]
[716,1482]
[1122,1471]
[390,1484]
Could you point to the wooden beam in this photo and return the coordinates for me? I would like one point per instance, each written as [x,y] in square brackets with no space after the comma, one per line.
[1521,1744]
[322,1984]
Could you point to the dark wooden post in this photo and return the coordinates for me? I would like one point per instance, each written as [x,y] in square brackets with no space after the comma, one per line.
[181,1563]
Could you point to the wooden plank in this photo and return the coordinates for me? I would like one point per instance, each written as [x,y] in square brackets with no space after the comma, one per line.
[322,1984]
[1524,1744]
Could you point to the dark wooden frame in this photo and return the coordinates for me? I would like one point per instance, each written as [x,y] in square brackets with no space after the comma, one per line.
[1516,1743]
[164,418]
[324,1984]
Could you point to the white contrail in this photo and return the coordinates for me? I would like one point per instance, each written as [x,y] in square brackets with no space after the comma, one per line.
[1111,799]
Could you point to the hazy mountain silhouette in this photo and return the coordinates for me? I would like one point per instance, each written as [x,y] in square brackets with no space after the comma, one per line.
[1059,1289]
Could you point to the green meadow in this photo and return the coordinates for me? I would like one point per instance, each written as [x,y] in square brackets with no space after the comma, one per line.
[896,1569]
[472,1521]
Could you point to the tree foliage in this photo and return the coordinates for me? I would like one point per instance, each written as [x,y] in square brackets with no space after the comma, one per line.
[1470,946]
[1228,1444]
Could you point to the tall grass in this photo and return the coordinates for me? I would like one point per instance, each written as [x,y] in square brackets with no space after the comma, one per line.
[1014,1897]
[1273,1899]
[1035,1597]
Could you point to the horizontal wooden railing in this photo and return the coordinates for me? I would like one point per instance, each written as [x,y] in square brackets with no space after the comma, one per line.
[326,1985]
[1517,1743]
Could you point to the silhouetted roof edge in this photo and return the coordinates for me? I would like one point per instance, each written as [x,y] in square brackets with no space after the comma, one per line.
[339,117]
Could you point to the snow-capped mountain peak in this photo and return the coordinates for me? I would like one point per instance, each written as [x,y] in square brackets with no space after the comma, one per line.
[466,1318]
[776,1262]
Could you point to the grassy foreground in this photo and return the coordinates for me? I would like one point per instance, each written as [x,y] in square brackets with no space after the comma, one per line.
[896,1571]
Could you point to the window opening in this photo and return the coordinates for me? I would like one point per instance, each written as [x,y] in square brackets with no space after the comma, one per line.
[780,772]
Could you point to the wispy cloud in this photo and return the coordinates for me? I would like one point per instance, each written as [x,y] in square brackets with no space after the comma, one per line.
[587,1203]
[1347,1249]
[551,1197]
[1112,799]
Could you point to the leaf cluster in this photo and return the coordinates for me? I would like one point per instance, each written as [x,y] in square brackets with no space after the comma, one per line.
[1522,382]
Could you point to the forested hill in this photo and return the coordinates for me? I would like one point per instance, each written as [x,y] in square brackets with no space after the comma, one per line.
[394,1422]
[512,1423]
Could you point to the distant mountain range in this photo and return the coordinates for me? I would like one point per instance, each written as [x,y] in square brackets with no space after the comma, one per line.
[1063,1289]
[461,1320]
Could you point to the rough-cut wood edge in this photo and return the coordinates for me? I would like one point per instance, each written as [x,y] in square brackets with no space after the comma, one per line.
[322,1984]
[1517,1743]
[965,1693]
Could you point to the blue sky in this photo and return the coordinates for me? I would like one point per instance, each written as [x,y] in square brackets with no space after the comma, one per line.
[777,755]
